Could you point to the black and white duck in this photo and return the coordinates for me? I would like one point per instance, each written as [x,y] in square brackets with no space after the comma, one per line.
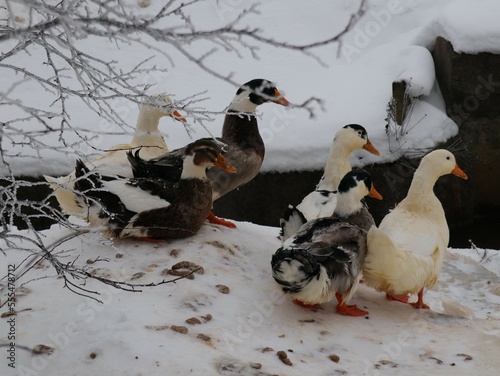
[243,144]
[321,202]
[326,256]
[152,208]
[146,136]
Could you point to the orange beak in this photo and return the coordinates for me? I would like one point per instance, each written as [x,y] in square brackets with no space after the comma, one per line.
[370,148]
[177,116]
[279,99]
[374,193]
[223,164]
[458,172]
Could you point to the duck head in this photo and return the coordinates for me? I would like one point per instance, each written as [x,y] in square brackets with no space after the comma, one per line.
[158,105]
[254,93]
[201,154]
[355,185]
[441,162]
[355,137]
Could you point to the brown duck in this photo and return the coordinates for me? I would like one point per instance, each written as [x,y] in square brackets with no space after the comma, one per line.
[152,208]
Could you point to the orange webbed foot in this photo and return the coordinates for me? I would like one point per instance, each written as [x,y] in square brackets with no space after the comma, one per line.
[350,310]
[397,298]
[212,218]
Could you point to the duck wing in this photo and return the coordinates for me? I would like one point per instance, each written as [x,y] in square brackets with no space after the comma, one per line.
[167,167]
[157,187]
[411,231]
[247,163]
[317,204]
[103,205]
[339,246]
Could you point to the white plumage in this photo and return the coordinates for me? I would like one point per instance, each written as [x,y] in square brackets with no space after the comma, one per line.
[406,252]
[134,198]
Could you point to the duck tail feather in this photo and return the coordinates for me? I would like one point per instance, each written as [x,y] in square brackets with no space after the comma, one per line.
[136,163]
[292,220]
[293,268]
[85,181]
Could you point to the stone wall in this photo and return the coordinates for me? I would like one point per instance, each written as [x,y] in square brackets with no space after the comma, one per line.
[470,85]
[266,197]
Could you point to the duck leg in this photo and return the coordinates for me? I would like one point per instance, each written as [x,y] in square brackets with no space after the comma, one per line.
[397,298]
[305,305]
[348,310]
[212,218]
[420,302]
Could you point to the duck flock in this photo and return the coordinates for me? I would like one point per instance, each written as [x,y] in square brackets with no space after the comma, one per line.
[330,242]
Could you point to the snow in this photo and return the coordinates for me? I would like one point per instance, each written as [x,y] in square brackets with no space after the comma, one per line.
[130,333]
[391,42]
[471,27]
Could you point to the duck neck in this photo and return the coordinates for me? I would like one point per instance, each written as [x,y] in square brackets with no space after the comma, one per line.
[336,167]
[146,130]
[422,186]
[347,204]
[191,170]
[242,130]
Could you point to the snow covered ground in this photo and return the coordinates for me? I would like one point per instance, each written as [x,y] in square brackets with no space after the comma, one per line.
[238,330]
[232,319]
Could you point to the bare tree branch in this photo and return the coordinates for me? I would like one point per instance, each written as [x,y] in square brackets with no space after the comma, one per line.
[56,36]
[74,276]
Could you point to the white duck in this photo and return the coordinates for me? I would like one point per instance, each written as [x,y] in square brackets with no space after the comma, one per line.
[115,161]
[321,202]
[406,252]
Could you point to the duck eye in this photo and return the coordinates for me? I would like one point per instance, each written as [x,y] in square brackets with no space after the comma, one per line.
[448,158]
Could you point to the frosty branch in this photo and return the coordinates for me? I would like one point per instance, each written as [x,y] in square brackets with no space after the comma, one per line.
[61,29]
[75,276]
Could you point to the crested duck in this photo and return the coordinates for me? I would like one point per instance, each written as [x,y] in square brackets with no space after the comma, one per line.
[152,208]
[321,202]
[115,161]
[326,256]
[406,252]
[243,145]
